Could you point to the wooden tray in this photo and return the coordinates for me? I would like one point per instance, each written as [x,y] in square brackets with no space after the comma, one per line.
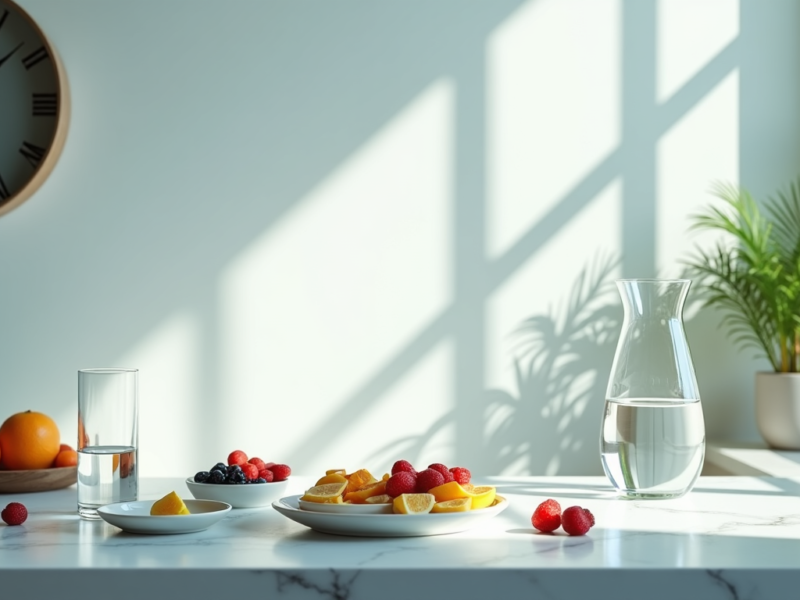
[38,480]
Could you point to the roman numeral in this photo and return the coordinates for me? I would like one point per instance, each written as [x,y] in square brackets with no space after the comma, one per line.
[32,153]
[34,58]
[3,18]
[3,189]
[44,105]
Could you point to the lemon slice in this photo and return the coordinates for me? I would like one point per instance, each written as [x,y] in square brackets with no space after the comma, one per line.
[414,504]
[382,499]
[327,493]
[482,496]
[332,478]
[457,505]
[171,504]
[449,491]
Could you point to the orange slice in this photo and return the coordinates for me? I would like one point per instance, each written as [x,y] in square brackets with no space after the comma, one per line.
[171,504]
[338,471]
[413,504]
[358,480]
[449,491]
[382,499]
[331,478]
[371,489]
[327,493]
[457,505]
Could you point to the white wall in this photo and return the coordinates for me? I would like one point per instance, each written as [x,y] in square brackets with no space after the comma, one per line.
[316,227]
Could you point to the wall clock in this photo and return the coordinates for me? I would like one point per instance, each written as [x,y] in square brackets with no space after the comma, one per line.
[34,106]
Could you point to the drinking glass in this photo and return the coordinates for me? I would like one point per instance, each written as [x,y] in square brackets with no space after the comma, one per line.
[652,438]
[108,437]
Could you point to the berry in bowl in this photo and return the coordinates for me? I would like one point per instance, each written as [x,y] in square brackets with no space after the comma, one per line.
[242,482]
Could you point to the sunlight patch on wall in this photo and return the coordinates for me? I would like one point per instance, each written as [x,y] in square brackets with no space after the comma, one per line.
[553,103]
[701,148]
[313,309]
[689,35]
[169,416]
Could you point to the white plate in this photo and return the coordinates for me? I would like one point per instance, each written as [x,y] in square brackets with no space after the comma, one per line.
[346,509]
[386,525]
[246,495]
[135,517]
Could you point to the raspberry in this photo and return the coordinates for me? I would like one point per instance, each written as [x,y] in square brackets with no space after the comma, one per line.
[237,457]
[403,465]
[576,520]
[547,516]
[266,475]
[402,482]
[14,514]
[461,475]
[250,470]
[428,479]
[280,472]
[439,467]
[258,463]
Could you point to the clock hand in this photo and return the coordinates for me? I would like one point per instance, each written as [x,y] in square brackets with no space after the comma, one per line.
[9,55]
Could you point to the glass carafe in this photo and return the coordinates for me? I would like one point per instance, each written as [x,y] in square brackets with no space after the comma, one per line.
[652,439]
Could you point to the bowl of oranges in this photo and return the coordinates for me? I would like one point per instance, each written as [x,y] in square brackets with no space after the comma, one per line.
[32,456]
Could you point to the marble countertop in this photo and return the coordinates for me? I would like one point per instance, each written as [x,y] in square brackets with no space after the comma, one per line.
[731,537]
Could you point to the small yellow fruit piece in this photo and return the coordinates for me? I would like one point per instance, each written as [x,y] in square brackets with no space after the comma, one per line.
[336,471]
[413,504]
[483,496]
[449,491]
[332,478]
[328,493]
[371,489]
[382,499]
[171,504]
[457,505]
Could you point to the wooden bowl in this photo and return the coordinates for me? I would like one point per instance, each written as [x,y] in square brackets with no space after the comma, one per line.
[37,480]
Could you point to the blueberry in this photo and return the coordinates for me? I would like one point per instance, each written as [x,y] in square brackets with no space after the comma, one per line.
[216,477]
[234,469]
[260,480]
[219,467]
[237,477]
[201,477]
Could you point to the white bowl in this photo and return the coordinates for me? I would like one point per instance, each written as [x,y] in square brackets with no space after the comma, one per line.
[244,495]
[135,517]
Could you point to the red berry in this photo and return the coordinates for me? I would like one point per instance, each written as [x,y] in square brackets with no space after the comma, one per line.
[280,472]
[267,475]
[269,465]
[250,470]
[237,457]
[14,514]
[402,482]
[258,463]
[576,520]
[547,516]
[461,475]
[428,479]
[439,467]
[403,465]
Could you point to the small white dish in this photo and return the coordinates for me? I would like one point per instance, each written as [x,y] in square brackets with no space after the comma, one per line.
[245,495]
[387,525]
[346,509]
[135,517]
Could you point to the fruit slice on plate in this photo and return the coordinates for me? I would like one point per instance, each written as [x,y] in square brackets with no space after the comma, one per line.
[382,499]
[482,496]
[328,493]
[332,478]
[449,506]
[414,504]
[361,495]
[171,504]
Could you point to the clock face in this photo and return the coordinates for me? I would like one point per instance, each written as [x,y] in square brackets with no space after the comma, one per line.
[31,106]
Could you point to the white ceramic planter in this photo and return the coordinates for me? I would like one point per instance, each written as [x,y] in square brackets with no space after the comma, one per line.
[778,409]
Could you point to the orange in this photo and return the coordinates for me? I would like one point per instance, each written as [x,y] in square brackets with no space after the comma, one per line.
[357,480]
[66,458]
[481,496]
[327,493]
[29,440]
[171,504]
[65,447]
[449,491]
[413,504]
[371,489]
[331,478]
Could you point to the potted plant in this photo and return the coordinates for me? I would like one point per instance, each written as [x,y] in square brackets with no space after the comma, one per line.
[753,275]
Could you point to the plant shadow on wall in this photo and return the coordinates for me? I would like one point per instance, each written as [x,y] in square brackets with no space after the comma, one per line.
[551,426]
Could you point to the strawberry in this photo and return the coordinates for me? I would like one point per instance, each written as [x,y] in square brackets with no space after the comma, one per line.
[402,482]
[267,475]
[237,457]
[547,516]
[14,514]
[428,479]
[258,463]
[403,465]
[461,475]
[250,471]
[576,520]
[280,472]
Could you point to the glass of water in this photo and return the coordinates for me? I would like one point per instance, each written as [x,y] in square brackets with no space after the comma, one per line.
[108,436]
